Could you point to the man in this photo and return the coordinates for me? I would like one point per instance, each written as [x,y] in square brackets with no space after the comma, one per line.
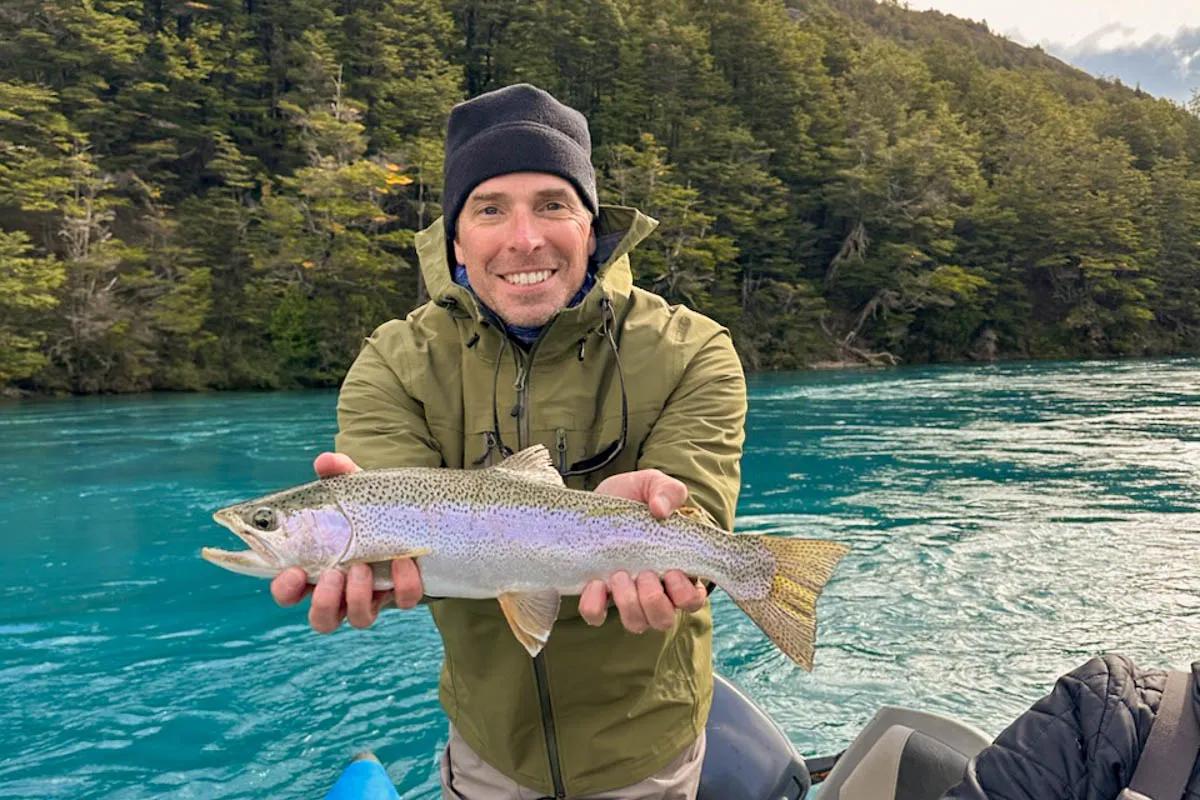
[535,334]
[1084,740]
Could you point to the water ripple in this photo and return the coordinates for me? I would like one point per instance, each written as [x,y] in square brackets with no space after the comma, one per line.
[1006,523]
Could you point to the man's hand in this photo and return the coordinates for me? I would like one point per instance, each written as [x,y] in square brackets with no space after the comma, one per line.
[644,602]
[338,596]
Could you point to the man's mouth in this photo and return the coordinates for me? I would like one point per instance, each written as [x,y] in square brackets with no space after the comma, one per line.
[528,278]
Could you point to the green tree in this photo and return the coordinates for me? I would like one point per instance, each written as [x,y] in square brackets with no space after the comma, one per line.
[327,257]
[1175,201]
[407,85]
[1070,207]
[680,261]
[912,175]
[27,290]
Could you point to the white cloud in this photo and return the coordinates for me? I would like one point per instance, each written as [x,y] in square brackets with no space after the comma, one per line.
[1031,21]
[1113,36]
[1154,44]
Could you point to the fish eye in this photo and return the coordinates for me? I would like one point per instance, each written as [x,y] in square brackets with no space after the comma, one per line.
[264,519]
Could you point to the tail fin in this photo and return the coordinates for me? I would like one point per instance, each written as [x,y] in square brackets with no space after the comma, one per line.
[789,613]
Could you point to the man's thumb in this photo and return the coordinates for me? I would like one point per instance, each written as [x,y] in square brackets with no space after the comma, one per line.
[327,465]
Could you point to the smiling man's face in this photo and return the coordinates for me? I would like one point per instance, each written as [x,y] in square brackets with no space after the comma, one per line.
[525,238]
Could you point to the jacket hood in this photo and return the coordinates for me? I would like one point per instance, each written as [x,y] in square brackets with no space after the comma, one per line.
[614,278]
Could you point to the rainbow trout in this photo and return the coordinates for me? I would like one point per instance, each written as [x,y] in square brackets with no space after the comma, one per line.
[514,532]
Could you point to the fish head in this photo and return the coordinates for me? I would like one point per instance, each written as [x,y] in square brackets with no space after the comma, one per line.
[301,527]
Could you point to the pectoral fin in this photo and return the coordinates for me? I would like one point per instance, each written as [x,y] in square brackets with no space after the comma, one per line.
[381,568]
[416,552]
[531,615]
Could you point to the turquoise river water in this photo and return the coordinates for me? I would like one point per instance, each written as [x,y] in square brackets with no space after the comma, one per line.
[1007,522]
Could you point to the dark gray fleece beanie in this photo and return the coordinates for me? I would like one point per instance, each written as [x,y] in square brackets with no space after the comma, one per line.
[518,128]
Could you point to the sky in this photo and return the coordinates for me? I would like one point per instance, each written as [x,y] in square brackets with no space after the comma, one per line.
[1151,43]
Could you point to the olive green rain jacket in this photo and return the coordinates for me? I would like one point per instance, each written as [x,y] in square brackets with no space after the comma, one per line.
[599,708]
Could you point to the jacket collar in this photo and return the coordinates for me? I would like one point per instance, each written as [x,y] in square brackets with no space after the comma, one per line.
[614,279]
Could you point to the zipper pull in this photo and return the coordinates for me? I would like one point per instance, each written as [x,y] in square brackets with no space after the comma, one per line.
[489,446]
[522,374]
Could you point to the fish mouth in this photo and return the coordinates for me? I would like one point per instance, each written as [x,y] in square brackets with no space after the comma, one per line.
[261,554]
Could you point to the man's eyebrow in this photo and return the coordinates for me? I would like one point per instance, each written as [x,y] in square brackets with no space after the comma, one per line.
[542,195]
[488,197]
[555,194]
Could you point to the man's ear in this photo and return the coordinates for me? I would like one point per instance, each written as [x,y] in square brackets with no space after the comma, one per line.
[458,251]
[592,239]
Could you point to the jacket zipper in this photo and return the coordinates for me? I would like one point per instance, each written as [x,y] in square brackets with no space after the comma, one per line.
[522,410]
[539,676]
[521,384]
[560,444]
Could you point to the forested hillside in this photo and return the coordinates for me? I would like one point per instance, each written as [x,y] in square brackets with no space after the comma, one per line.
[223,194]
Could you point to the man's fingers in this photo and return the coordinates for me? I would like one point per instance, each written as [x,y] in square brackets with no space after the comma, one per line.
[327,465]
[625,595]
[289,586]
[593,603]
[659,611]
[407,579]
[360,596]
[686,594]
[327,608]
[660,491]
[383,600]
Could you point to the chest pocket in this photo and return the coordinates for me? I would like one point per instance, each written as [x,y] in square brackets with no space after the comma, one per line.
[573,445]
[482,449]
[567,440]
[573,410]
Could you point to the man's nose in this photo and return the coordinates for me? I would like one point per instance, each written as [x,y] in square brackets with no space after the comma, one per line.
[526,235]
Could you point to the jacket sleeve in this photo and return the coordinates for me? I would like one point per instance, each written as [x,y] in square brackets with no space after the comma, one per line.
[1080,742]
[379,423]
[698,436]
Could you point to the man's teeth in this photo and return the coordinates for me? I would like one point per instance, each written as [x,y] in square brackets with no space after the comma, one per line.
[527,278]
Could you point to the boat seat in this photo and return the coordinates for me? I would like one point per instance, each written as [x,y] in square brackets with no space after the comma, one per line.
[904,755]
[747,757]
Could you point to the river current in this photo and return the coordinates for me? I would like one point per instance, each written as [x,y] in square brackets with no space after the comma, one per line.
[1006,522]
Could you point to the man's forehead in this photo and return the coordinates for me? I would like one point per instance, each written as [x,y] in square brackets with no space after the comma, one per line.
[517,184]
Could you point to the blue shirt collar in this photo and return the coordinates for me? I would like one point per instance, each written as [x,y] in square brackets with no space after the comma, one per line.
[526,335]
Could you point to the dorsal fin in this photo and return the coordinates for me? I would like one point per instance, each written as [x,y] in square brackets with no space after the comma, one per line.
[695,515]
[531,464]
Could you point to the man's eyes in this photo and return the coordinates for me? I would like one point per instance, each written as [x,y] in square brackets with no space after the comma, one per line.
[550,205]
